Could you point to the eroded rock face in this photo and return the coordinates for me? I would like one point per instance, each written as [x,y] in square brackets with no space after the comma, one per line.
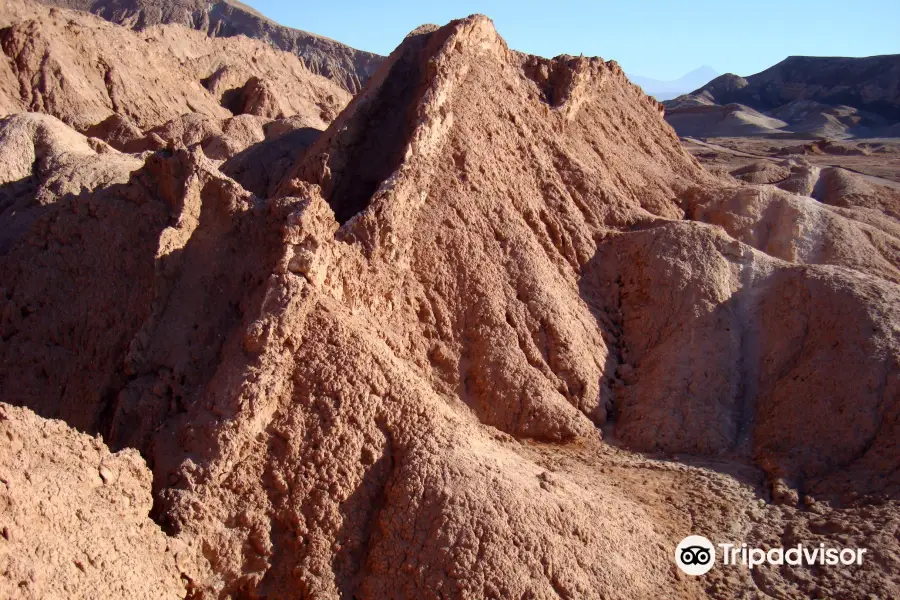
[732,346]
[74,517]
[261,167]
[528,370]
[83,70]
[436,352]
[800,229]
[840,187]
[347,67]
[94,277]
[43,161]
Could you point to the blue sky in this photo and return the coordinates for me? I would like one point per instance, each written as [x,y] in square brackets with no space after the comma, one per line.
[659,39]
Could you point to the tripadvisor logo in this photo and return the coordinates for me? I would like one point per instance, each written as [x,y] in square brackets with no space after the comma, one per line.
[696,555]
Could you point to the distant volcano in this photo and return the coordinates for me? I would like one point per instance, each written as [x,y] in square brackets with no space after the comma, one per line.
[666,90]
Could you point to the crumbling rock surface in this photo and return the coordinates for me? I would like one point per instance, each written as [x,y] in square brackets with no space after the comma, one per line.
[347,67]
[514,350]
[730,338]
[800,229]
[250,77]
[96,278]
[764,171]
[74,517]
[493,333]
[43,161]
[219,139]
[834,186]
[82,70]
[121,133]
[840,187]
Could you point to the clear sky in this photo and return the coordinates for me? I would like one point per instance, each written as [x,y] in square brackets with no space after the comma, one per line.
[659,39]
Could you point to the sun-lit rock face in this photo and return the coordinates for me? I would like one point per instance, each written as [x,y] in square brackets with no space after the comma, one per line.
[347,67]
[84,70]
[75,517]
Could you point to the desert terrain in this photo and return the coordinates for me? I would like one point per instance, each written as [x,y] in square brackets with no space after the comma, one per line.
[281,319]
[876,159]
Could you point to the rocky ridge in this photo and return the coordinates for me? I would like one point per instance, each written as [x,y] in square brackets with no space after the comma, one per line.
[122,86]
[347,67]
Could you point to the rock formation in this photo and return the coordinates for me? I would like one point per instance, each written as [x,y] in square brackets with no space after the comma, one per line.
[347,67]
[493,334]
[75,517]
[85,71]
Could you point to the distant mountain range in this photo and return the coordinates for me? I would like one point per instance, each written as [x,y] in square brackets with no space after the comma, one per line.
[666,90]
[802,96]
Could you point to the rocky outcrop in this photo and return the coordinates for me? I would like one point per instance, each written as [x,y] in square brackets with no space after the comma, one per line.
[43,161]
[347,67]
[84,71]
[800,229]
[74,517]
[731,348]
[839,187]
[83,79]
[548,388]
[260,168]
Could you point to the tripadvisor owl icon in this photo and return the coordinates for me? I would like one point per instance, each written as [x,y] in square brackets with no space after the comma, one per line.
[695,555]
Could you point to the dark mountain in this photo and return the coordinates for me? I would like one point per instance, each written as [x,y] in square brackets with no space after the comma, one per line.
[348,67]
[817,95]
[871,83]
